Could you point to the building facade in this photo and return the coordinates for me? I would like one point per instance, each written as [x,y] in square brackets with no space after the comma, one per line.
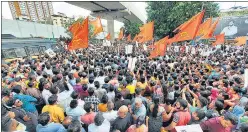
[31,10]
[61,19]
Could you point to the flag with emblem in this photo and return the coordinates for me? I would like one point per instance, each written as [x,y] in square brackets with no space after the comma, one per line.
[204,27]
[188,30]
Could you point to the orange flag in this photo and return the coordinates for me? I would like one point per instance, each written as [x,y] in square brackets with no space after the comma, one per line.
[120,34]
[241,40]
[129,38]
[188,30]
[135,38]
[80,40]
[204,27]
[97,26]
[160,48]
[146,32]
[74,28]
[220,39]
[108,36]
[210,32]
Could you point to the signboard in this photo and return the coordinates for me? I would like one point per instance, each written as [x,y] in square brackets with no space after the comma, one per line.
[246,78]
[233,26]
[50,53]
[108,43]
[131,63]
[145,47]
[189,128]
[137,44]
[129,49]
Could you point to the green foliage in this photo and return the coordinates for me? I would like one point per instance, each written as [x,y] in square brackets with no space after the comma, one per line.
[131,28]
[168,15]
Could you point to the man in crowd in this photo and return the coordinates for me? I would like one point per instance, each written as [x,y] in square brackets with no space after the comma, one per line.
[202,89]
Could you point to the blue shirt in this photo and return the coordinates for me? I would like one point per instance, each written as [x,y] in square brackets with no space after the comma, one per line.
[72,82]
[193,109]
[214,74]
[75,113]
[51,127]
[27,101]
[140,111]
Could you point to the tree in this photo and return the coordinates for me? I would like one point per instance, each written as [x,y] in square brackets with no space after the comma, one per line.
[131,28]
[169,15]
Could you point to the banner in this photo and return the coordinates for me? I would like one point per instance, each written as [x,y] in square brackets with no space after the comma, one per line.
[246,78]
[145,47]
[129,49]
[189,128]
[108,43]
[137,44]
[193,51]
[187,49]
[50,53]
[131,63]
[233,26]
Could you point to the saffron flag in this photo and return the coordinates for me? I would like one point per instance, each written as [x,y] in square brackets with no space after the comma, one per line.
[146,32]
[120,34]
[220,39]
[97,26]
[135,38]
[204,27]
[241,40]
[74,28]
[129,38]
[108,37]
[160,48]
[210,32]
[188,30]
[80,40]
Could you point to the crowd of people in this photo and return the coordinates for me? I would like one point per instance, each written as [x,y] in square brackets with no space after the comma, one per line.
[94,91]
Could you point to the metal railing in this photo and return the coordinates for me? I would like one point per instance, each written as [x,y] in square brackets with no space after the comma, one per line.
[23,52]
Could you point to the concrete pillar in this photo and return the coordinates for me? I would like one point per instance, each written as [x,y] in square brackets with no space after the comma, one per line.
[111,29]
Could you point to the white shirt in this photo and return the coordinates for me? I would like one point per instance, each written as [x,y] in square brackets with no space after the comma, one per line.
[110,115]
[105,127]
[229,31]
[46,94]
[64,99]
[49,71]
[38,78]
[91,85]
[100,80]
[246,77]
[111,96]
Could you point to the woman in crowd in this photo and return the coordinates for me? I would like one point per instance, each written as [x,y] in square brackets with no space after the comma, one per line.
[177,89]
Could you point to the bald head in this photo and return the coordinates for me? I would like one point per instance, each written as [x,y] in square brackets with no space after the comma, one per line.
[123,108]
[122,112]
